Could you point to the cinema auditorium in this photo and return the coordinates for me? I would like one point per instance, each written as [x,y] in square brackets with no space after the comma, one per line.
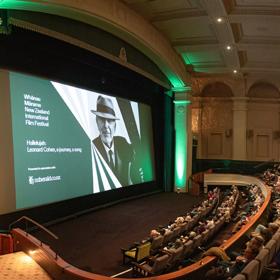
[139,139]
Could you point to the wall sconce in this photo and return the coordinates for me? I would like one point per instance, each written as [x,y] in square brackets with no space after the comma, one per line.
[249,133]
[228,133]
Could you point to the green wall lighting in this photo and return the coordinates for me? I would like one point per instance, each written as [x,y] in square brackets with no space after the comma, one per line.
[180,143]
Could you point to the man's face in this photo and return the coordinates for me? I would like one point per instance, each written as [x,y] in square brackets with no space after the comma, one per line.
[107,128]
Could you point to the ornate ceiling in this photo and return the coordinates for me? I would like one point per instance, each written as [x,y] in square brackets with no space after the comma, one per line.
[247,38]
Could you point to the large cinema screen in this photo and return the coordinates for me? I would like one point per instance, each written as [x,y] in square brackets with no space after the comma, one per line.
[70,142]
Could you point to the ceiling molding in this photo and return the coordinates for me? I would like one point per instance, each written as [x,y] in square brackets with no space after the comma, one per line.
[237,31]
[242,58]
[119,20]
[164,16]
[195,41]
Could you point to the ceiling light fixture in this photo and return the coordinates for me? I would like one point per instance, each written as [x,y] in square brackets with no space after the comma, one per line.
[219,20]
[228,47]
[234,71]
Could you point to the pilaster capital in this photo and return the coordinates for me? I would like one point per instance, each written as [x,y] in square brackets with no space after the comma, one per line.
[182,95]
[240,103]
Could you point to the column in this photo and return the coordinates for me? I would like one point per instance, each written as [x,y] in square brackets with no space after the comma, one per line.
[183,140]
[197,112]
[239,151]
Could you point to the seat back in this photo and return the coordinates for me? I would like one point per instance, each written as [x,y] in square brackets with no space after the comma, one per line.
[167,237]
[262,257]
[251,270]
[188,248]
[271,246]
[197,241]
[176,232]
[157,242]
[205,236]
[160,264]
[143,251]
[239,277]
[276,237]
[176,255]
[183,228]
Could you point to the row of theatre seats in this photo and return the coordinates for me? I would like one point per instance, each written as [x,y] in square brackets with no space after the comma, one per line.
[150,247]
[169,259]
[254,269]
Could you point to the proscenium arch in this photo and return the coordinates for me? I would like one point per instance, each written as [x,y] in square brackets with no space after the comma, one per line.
[117,19]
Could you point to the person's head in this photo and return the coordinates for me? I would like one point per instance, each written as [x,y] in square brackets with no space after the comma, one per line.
[107,128]
[154,233]
[250,253]
[105,119]
[273,227]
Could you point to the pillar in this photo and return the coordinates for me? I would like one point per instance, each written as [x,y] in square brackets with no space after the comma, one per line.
[183,139]
[239,151]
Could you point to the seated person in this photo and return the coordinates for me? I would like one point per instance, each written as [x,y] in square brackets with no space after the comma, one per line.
[218,252]
[173,246]
[227,270]
[179,221]
[256,242]
[154,233]
[192,235]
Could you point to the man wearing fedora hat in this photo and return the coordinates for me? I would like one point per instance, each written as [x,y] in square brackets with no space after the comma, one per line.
[115,150]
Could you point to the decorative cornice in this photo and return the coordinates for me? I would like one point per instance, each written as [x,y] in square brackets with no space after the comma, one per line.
[86,46]
[181,89]
[118,19]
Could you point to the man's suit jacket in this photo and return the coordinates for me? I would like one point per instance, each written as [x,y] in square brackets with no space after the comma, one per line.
[124,155]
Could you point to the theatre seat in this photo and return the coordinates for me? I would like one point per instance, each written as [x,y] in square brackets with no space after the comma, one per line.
[183,228]
[262,258]
[188,248]
[276,237]
[158,266]
[167,237]
[251,270]
[138,253]
[197,241]
[239,277]
[176,232]
[156,243]
[175,256]
[205,236]
[271,246]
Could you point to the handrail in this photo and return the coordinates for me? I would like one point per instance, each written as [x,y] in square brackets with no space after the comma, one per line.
[263,163]
[35,223]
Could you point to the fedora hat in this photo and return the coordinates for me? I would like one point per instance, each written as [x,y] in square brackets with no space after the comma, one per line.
[105,108]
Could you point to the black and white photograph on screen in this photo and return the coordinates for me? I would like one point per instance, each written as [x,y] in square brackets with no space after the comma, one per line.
[115,150]
[113,127]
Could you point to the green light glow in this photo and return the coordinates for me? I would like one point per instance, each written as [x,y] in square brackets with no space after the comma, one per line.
[175,81]
[182,102]
[180,143]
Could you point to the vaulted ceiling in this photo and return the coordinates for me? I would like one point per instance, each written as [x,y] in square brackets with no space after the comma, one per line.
[219,36]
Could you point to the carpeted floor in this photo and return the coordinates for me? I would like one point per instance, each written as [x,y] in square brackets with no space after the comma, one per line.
[93,241]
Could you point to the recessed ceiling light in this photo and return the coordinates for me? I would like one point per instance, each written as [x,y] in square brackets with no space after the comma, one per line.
[235,71]
[228,47]
[219,19]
